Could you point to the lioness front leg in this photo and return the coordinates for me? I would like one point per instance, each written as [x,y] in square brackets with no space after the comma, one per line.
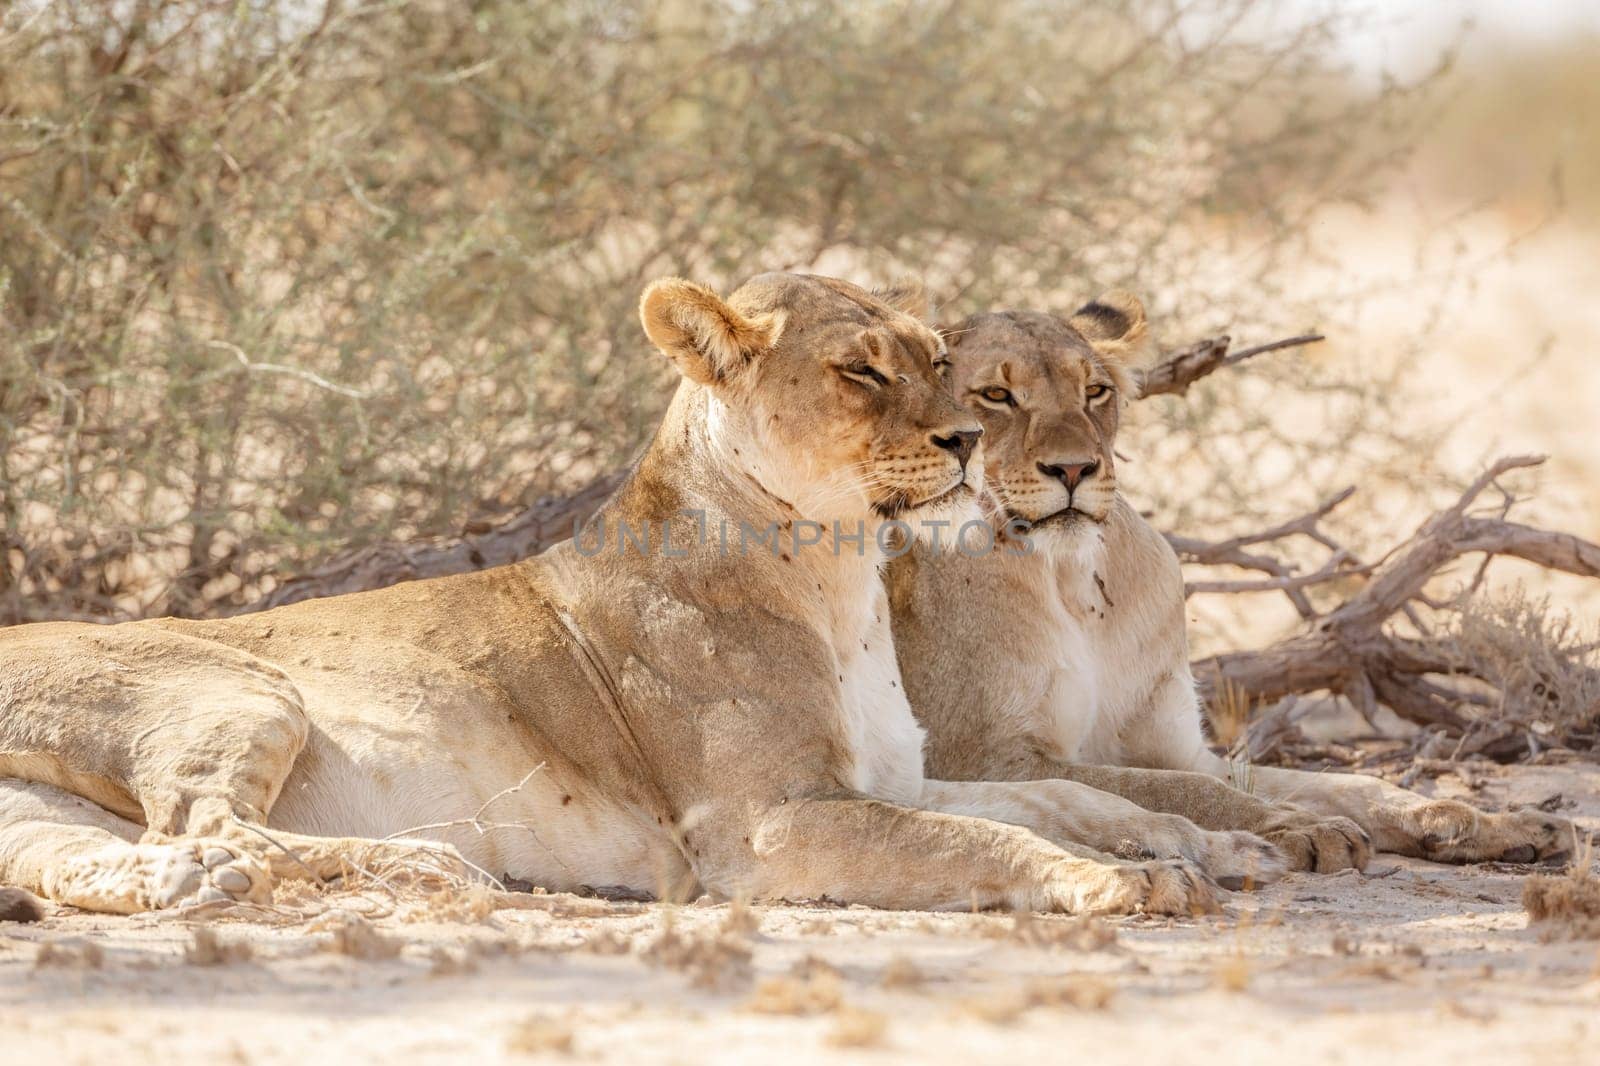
[1069,813]
[1320,842]
[885,855]
[74,852]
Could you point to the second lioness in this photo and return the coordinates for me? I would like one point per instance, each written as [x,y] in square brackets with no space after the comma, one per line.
[1062,652]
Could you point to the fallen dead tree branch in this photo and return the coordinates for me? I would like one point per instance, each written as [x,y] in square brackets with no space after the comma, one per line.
[547,522]
[1506,687]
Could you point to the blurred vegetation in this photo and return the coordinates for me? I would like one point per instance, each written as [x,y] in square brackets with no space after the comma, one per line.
[1521,131]
[282,277]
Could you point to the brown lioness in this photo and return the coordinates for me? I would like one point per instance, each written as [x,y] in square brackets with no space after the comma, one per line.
[1062,653]
[683,709]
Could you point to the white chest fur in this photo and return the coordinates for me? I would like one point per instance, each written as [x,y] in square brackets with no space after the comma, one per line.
[1082,708]
[884,737]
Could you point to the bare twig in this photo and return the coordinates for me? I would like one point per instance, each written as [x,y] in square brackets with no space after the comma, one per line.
[1181,369]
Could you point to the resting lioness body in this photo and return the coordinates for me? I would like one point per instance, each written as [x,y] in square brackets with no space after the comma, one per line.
[684,715]
[1062,653]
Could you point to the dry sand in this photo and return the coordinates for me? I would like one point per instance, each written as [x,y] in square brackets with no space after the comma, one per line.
[1408,962]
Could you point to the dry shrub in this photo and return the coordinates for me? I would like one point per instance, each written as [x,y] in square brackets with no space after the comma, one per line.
[711,959]
[820,992]
[539,1034]
[72,953]
[1540,665]
[207,948]
[283,277]
[1568,905]
[855,1027]
[353,935]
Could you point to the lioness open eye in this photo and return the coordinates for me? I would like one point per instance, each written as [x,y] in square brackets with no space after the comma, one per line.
[864,373]
[998,395]
[1096,393]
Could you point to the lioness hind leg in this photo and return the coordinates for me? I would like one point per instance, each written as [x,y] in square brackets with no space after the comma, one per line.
[74,852]
[193,737]
[1406,823]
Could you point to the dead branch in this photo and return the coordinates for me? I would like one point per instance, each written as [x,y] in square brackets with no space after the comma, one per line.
[549,521]
[1354,651]
[1281,576]
[1174,374]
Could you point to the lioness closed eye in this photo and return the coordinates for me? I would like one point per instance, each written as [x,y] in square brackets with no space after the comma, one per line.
[686,711]
[1071,661]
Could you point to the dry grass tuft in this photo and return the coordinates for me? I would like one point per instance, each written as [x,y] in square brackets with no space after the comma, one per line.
[855,1027]
[711,960]
[608,942]
[1081,993]
[741,920]
[540,1035]
[1569,904]
[821,992]
[1230,713]
[356,937]
[445,962]
[1232,973]
[72,953]
[206,948]
[470,903]
[902,973]
[1078,933]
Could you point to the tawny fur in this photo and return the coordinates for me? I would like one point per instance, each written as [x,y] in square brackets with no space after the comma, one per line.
[1071,662]
[687,716]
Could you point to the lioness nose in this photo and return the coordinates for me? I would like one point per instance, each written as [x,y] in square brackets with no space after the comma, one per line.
[1069,474]
[959,444]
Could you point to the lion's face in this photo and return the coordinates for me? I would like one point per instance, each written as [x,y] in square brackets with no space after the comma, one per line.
[825,394]
[1049,392]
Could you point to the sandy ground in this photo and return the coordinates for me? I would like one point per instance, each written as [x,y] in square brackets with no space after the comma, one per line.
[1410,961]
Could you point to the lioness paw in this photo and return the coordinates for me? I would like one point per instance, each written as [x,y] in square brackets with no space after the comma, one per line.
[1237,860]
[1165,886]
[1450,831]
[1325,845]
[129,878]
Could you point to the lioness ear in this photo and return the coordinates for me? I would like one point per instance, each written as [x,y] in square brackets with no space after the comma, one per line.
[707,340]
[1113,323]
[907,295]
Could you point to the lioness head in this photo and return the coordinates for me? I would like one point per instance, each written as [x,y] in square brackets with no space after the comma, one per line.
[1049,392]
[827,396]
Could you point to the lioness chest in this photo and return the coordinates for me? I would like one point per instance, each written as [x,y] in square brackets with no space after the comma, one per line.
[883,735]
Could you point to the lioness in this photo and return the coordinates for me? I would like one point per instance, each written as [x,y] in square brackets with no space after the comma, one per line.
[1070,660]
[693,714]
